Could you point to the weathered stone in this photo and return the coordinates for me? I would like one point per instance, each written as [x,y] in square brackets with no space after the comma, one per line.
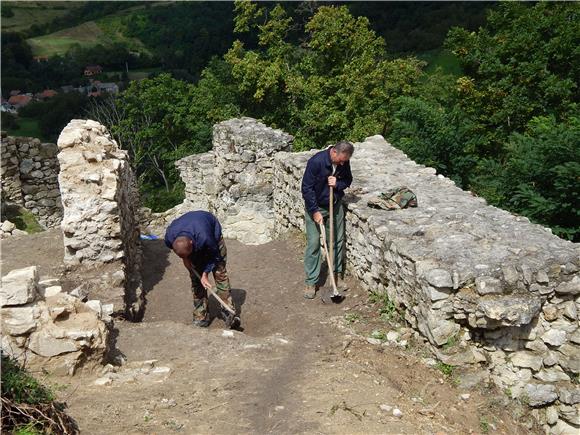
[7,226]
[570,359]
[550,312]
[571,414]
[569,310]
[540,394]
[44,344]
[19,320]
[488,285]
[551,415]
[554,337]
[571,287]
[552,374]
[511,310]
[439,278]
[563,428]
[19,287]
[551,359]
[100,222]
[526,359]
[570,396]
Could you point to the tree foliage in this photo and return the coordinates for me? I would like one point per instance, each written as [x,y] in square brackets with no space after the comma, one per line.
[337,84]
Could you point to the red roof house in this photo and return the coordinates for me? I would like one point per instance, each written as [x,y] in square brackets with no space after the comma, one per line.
[19,100]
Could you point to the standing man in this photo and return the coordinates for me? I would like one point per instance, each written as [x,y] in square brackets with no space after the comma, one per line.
[196,237]
[327,168]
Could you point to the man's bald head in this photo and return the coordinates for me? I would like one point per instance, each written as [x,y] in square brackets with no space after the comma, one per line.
[183,246]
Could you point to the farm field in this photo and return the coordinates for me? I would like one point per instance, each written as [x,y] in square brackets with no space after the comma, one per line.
[27,13]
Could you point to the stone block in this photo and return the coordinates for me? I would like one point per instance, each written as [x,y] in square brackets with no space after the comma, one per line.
[19,287]
[554,337]
[540,394]
[527,360]
[570,396]
[44,344]
[488,285]
[571,287]
[19,320]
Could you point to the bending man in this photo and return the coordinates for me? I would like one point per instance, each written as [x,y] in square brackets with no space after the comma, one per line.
[327,168]
[196,237]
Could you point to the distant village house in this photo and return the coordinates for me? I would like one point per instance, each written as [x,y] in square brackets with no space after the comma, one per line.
[93,70]
[19,101]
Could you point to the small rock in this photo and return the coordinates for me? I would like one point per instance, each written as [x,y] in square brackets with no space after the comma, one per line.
[392,336]
[386,408]
[375,341]
[7,226]
[554,337]
[279,408]
[465,396]
[226,333]
[551,415]
[397,413]
[105,380]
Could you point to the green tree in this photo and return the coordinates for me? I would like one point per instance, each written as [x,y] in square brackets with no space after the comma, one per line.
[523,63]
[542,174]
[337,84]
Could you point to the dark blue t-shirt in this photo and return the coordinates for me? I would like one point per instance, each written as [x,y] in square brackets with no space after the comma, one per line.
[205,231]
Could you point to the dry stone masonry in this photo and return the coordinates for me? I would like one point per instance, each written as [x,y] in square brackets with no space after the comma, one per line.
[50,330]
[234,179]
[485,287]
[100,200]
[29,171]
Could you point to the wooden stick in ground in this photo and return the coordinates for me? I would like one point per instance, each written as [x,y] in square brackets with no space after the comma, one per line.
[331,224]
[325,250]
[212,292]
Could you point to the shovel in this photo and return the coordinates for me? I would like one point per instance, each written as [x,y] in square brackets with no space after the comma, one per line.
[336,296]
[232,320]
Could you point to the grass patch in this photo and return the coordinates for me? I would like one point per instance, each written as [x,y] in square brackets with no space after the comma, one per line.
[387,308]
[85,35]
[446,369]
[26,14]
[28,406]
[352,317]
[27,127]
[23,219]
[484,424]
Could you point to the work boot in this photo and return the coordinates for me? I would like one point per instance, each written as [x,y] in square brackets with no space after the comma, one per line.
[201,323]
[310,291]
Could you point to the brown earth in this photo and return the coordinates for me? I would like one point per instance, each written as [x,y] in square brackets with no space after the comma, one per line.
[298,367]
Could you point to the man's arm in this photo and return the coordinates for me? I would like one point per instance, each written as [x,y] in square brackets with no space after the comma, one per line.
[308,193]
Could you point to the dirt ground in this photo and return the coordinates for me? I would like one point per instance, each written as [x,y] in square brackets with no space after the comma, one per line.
[298,366]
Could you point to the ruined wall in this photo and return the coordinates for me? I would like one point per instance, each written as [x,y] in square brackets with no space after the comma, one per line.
[234,179]
[29,171]
[100,200]
[49,330]
[485,287]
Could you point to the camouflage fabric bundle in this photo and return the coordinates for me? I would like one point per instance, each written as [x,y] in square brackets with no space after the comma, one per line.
[393,199]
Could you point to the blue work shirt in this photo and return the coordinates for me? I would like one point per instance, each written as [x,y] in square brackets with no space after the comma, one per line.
[315,189]
[205,231]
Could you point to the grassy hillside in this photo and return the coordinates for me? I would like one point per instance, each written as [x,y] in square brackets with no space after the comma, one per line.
[107,30]
[28,13]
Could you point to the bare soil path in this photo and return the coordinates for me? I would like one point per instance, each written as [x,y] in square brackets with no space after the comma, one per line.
[298,367]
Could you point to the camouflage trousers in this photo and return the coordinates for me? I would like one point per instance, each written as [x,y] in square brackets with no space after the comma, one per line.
[222,285]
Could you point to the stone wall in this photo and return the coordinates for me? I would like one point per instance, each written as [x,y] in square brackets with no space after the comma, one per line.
[29,171]
[49,330]
[234,179]
[485,287]
[100,200]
